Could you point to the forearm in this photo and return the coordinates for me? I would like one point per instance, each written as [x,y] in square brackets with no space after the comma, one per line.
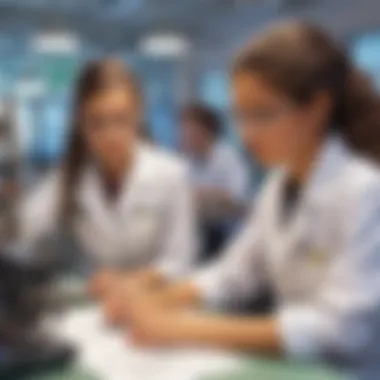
[250,334]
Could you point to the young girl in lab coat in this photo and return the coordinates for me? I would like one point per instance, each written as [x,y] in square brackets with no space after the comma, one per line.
[127,203]
[304,111]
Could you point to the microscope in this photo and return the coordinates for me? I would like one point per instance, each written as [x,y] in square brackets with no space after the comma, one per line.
[25,286]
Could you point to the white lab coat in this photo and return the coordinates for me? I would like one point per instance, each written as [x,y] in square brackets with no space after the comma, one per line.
[151,223]
[225,169]
[324,264]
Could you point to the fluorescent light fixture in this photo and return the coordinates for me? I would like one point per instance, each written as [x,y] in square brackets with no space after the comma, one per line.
[53,42]
[165,45]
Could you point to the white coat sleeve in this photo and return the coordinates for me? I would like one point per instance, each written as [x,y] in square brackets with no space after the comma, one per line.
[237,276]
[180,246]
[342,319]
[38,213]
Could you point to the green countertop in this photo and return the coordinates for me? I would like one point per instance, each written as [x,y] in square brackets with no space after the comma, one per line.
[71,373]
[272,369]
[257,368]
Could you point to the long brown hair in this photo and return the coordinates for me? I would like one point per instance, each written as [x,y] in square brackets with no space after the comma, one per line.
[300,59]
[96,76]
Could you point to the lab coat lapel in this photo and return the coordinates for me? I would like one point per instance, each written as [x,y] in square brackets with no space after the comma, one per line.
[328,165]
[307,221]
[313,217]
[132,186]
[93,203]
[304,241]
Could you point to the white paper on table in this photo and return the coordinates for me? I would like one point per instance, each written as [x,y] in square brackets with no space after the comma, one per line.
[107,354]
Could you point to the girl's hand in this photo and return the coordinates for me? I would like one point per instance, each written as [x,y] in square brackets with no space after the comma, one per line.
[101,283]
[113,307]
[152,325]
[117,303]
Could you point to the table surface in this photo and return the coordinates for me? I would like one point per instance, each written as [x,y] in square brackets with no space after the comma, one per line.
[254,368]
[257,368]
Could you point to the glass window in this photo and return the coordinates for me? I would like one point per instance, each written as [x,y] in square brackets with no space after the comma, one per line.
[214,89]
[366,54]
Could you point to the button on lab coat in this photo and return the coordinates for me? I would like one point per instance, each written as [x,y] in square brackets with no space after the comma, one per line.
[324,263]
[151,222]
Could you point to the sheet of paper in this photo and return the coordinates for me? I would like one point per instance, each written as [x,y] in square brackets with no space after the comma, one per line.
[107,353]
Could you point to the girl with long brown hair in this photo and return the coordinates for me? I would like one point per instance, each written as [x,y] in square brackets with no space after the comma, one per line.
[128,203]
[304,111]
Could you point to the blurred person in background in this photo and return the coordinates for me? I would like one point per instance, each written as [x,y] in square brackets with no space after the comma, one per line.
[128,204]
[220,178]
[304,110]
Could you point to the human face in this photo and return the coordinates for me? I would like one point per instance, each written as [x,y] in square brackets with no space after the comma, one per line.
[272,127]
[110,122]
[194,139]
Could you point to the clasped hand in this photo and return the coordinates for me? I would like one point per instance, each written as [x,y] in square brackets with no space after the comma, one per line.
[136,309]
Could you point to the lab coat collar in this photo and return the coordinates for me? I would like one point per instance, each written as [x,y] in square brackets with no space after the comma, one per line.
[328,165]
[92,198]
[330,161]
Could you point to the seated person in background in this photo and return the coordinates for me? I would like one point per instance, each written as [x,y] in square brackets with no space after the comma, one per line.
[315,235]
[220,177]
[128,204]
